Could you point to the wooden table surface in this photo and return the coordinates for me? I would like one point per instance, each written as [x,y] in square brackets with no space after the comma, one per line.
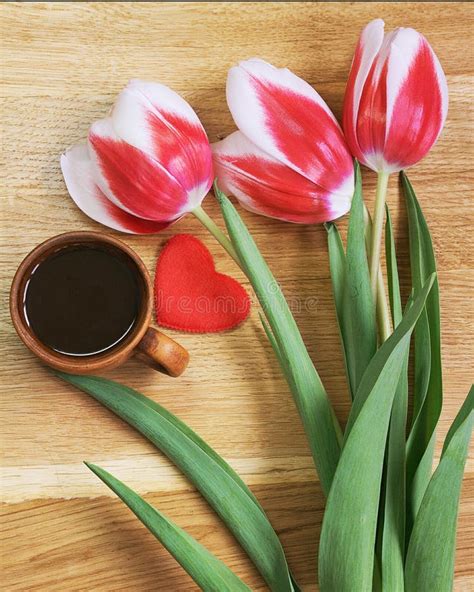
[62,65]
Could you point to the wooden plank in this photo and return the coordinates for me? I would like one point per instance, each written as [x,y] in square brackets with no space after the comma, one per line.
[62,65]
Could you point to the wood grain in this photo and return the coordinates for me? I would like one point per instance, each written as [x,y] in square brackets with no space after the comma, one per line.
[62,65]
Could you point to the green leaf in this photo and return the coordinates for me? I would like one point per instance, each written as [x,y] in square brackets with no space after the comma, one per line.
[358,308]
[317,414]
[337,267]
[465,410]
[393,536]
[431,551]
[216,481]
[209,573]
[428,378]
[346,550]
[275,347]
[392,271]
[187,431]
[352,293]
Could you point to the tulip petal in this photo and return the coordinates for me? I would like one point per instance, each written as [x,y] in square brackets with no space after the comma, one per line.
[371,123]
[366,51]
[264,185]
[78,175]
[284,116]
[156,120]
[417,100]
[396,98]
[133,180]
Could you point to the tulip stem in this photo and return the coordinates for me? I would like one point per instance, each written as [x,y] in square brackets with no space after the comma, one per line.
[217,233]
[383,312]
[377,229]
[381,303]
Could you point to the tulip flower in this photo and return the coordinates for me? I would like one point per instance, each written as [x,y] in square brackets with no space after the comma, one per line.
[289,159]
[145,165]
[396,98]
[394,109]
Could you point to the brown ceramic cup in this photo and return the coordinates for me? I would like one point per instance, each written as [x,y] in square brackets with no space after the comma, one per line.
[153,347]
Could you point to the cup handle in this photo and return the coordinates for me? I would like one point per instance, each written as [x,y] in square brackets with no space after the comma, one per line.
[162,353]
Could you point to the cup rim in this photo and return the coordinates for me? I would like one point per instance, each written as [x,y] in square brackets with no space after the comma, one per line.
[70,363]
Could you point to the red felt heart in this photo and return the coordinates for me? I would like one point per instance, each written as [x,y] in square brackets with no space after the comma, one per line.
[190,295]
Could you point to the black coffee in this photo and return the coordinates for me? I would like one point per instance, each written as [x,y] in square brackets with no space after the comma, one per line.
[83,300]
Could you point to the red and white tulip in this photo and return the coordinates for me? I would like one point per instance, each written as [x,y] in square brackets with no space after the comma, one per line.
[144,166]
[396,98]
[289,159]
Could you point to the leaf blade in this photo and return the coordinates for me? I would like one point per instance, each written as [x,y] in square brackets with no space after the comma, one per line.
[463,412]
[392,271]
[429,564]
[346,552]
[189,433]
[393,535]
[239,510]
[428,390]
[337,269]
[206,570]
[319,421]
[358,307]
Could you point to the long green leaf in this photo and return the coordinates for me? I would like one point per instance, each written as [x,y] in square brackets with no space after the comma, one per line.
[209,573]
[346,550]
[337,267]
[465,410]
[392,271]
[316,412]
[428,377]
[276,349]
[431,551]
[280,356]
[393,536]
[358,308]
[187,431]
[352,293]
[422,330]
[275,346]
[216,481]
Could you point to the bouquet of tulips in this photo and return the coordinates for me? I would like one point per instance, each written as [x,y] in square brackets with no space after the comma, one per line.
[389,524]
